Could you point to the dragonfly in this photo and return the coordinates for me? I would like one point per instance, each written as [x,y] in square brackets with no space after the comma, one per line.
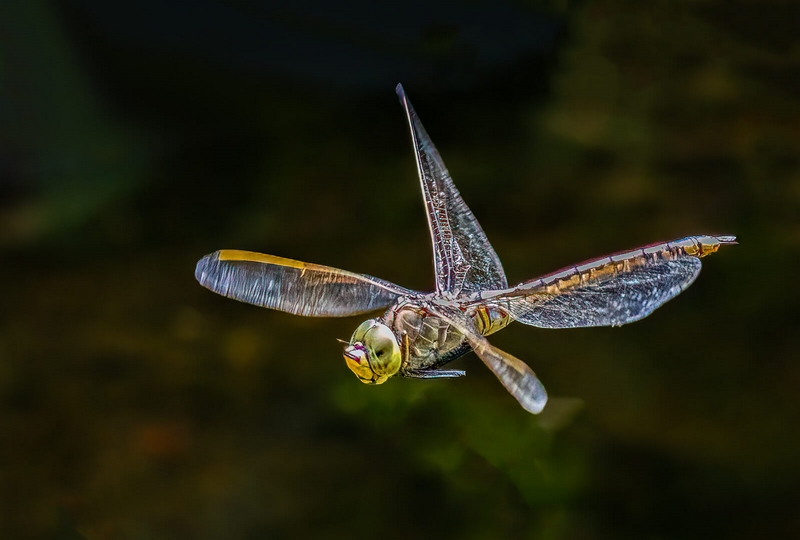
[419,333]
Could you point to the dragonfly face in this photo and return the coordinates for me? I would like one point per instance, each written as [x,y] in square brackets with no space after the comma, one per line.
[373,353]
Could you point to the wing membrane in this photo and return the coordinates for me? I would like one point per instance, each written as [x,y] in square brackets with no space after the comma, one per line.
[610,291]
[464,260]
[520,381]
[293,286]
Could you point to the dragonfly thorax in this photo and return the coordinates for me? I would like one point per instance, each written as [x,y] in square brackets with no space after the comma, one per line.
[373,353]
[427,338]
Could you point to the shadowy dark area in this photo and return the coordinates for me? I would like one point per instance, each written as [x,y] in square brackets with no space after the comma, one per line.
[137,137]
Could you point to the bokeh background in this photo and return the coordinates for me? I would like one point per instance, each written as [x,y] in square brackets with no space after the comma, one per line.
[136,137]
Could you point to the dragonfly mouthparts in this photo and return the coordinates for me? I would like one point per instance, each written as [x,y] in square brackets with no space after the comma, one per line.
[355,352]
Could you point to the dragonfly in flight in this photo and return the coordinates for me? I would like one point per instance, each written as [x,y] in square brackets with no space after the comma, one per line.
[420,332]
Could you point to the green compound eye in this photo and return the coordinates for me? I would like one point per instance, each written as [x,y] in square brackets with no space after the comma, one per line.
[362,329]
[384,350]
[374,353]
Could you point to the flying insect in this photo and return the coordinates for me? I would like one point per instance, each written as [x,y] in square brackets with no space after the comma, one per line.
[419,333]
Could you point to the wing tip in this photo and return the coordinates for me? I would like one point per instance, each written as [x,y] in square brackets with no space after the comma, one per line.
[535,403]
[727,239]
[399,91]
[202,267]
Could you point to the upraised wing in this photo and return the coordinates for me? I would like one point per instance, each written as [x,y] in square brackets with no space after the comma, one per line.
[520,381]
[464,260]
[609,291]
[293,286]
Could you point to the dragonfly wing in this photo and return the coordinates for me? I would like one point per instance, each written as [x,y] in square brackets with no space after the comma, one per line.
[293,286]
[610,291]
[464,260]
[520,380]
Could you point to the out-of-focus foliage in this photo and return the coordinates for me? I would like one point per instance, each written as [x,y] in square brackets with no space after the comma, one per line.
[135,139]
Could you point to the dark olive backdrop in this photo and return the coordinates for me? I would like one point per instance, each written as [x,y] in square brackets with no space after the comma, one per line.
[136,138]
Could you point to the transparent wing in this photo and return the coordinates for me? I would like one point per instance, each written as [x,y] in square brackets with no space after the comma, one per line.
[293,286]
[463,258]
[520,381]
[612,290]
[626,298]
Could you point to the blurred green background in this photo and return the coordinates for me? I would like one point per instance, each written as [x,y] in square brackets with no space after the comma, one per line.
[135,138]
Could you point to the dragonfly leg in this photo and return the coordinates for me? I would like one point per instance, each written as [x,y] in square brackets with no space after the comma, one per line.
[434,373]
[406,349]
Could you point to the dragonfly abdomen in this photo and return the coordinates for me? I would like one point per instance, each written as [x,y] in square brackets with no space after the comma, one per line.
[490,318]
[610,266]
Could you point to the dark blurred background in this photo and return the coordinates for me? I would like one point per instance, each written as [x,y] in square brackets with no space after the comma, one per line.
[137,137]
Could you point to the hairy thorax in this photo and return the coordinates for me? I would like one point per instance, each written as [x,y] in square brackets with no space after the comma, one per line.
[430,342]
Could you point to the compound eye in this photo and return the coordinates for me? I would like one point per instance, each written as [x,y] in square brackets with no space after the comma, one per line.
[362,329]
[383,349]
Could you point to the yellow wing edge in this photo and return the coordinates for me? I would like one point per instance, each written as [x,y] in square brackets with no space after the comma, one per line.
[252,256]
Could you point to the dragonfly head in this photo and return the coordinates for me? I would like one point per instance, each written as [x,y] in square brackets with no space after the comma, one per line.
[373,353]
